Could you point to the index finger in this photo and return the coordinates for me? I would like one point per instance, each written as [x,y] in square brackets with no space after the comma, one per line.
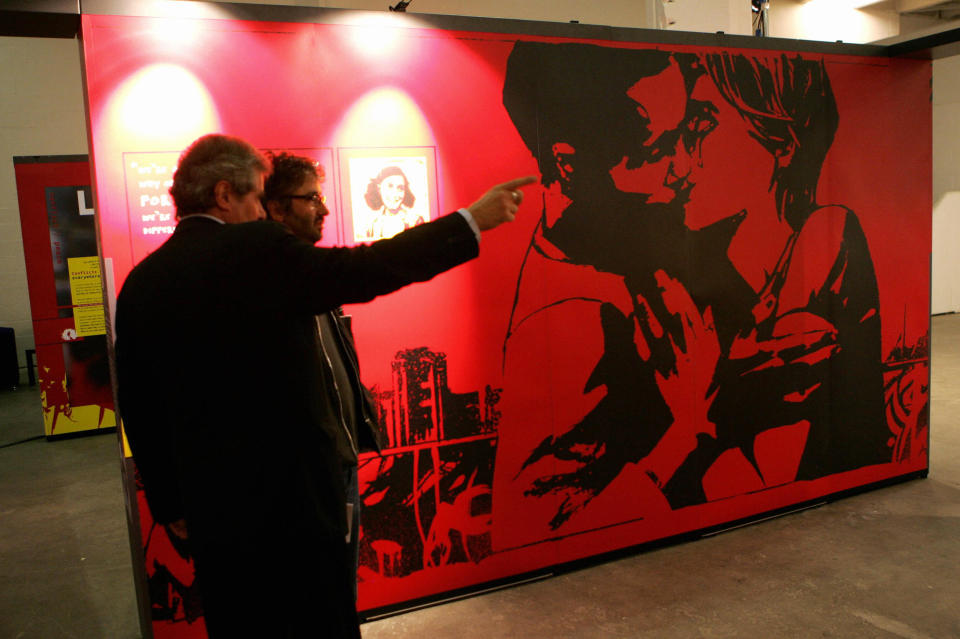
[524,181]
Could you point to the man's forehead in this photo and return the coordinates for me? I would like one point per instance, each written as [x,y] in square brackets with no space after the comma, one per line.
[311,182]
[661,98]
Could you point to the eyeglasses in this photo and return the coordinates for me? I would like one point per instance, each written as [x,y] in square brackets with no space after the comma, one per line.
[314,198]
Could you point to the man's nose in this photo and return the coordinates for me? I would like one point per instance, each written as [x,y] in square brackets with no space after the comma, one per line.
[681,165]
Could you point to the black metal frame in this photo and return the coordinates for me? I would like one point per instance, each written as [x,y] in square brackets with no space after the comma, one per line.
[61,19]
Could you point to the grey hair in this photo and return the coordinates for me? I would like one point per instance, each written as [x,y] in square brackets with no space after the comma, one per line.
[206,162]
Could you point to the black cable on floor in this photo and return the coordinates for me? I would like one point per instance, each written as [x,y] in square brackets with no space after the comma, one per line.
[22,441]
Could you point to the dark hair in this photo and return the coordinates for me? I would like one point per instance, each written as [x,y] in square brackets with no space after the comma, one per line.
[209,160]
[287,174]
[575,93]
[790,107]
[372,196]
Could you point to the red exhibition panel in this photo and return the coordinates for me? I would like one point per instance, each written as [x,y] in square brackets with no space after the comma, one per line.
[66,295]
[714,305]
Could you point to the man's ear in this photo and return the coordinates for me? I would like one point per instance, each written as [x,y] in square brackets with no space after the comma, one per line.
[221,194]
[275,212]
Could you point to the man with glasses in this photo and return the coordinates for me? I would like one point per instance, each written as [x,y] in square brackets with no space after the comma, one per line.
[292,196]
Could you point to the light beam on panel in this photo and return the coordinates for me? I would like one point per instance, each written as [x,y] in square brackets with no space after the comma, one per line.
[163,105]
[385,116]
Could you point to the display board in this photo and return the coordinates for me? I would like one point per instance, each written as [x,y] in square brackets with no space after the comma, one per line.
[714,305]
[66,293]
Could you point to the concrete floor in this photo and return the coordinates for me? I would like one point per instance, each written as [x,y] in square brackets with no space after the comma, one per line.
[881,564]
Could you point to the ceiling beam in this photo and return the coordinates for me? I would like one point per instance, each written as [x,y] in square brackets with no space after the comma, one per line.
[40,18]
[904,6]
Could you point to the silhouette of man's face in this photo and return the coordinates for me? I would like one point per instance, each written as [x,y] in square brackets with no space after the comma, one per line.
[655,161]
[642,152]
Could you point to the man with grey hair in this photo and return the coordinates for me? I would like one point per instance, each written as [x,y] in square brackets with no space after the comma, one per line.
[218,370]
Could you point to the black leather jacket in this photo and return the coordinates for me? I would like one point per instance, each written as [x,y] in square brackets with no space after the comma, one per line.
[369,434]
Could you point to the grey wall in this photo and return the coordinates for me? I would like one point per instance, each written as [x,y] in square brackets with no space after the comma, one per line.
[946,185]
[41,113]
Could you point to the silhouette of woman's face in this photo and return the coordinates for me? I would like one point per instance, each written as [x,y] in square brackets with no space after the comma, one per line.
[731,171]
[392,192]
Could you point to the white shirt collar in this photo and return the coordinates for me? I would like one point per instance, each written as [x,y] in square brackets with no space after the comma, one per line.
[205,216]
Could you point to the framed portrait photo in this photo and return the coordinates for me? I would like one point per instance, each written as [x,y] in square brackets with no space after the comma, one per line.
[386,190]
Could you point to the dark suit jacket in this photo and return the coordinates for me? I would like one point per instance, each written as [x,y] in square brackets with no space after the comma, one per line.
[218,386]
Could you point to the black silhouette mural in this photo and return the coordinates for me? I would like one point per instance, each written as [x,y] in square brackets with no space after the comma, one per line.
[730,323]
[427,499]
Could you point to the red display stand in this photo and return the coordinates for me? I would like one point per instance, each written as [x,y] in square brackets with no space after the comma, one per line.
[66,293]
